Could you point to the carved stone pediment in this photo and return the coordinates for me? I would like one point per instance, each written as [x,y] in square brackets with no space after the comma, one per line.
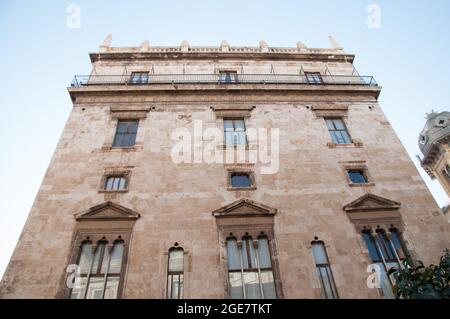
[244,208]
[107,211]
[370,202]
[369,211]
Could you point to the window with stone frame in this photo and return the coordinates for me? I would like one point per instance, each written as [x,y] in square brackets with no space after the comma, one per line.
[379,222]
[338,131]
[115,180]
[323,270]
[228,77]
[100,270]
[386,250]
[100,252]
[251,269]
[234,131]
[240,180]
[126,132]
[250,273]
[116,183]
[139,77]
[175,273]
[357,176]
[313,77]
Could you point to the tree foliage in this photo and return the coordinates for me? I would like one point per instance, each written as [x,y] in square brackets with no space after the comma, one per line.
[415,281]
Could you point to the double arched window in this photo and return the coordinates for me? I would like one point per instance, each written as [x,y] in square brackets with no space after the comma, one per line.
[99,270]
[250,274]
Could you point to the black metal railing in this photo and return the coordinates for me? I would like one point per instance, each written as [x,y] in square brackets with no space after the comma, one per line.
[87,80]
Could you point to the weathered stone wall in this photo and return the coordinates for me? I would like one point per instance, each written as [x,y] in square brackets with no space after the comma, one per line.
[176,200]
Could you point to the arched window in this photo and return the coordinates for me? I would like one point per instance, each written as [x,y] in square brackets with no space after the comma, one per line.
[324,270]
[446,171]
[175,273]
[100,270]
[250,273]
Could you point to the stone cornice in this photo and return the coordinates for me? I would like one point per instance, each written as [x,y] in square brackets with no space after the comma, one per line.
[223,51]
[312,55]
[105,90]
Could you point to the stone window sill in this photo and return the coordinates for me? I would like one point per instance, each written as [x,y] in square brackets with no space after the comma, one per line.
[241,188]
[104,191]
[135,148]
[237,147]
[360,184]
[352,145]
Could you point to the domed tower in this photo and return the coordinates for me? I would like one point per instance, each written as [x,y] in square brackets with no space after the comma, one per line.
[434,145]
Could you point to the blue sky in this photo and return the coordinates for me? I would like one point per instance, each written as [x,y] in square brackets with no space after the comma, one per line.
[408,55]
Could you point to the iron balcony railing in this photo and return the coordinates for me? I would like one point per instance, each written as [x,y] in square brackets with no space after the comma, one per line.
[87,80]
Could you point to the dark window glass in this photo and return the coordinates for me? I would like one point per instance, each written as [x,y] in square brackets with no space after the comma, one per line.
[338,131]
[370,243]
[386,252]
[398,244]
[357,176]
[125,133]
[313,77]
[240,180]
[227,77]
[139,77]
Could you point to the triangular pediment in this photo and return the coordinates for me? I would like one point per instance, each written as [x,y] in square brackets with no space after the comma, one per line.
[244,208]
[371,202]
[107,211]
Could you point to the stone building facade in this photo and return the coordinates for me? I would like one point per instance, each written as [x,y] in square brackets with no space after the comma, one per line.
[434,145]
[335,197]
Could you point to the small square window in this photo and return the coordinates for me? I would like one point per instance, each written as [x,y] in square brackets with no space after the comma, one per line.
[227,76]
[357,176]
[116,183]
[139,78]
[240,180]
[313,77]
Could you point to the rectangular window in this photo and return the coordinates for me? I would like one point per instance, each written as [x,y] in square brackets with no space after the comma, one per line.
[227,76]
[338,131]
[235,131]
[324,270]
[139,78]
[240,180]
[100,271]
[386,252]
[313,77]
[250,274]
[175,274]
[125,133]
[115,183]
[357,176]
